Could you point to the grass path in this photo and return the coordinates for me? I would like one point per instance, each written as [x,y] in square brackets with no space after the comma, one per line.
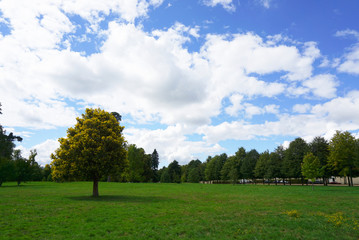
[40,210]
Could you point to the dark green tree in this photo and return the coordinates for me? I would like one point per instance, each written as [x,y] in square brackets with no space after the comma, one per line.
[6,169]
[174,170]
[22,168]
[274,167]
[194,175]
[260,170]
[165,176]
[342,154]
[214,167]
[293,158]
[154,165]
[249,164]
[231,169]
[47,173]
[320,148]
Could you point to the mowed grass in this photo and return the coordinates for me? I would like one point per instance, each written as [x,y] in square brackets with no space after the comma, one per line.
[41,210]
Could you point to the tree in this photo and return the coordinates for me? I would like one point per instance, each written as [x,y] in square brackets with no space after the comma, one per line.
[342,154]
[22,168]
[136,163]
[154,165]
[214,166]
[93,148]
[311,168]
[320,148]
[174,171]
[165,176]
[249,163]
[274,166]
[6,169]
[47,173]
[260,169]
[194,175]
[293,158]
[231,169]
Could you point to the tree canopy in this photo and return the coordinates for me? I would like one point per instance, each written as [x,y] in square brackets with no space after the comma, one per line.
[93,148]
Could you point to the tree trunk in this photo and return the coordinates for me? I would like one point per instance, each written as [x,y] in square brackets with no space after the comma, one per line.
[18,183]
[0,183]
[284,181]
[95,188]
[348,181]
[312,186]
[109,178]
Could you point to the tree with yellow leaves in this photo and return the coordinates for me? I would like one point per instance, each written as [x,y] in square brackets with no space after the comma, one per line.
[93,148]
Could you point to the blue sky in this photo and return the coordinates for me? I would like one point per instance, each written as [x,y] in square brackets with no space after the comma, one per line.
[191,78]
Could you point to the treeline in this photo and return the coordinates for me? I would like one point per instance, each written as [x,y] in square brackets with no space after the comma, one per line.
[300,161]
[14,167]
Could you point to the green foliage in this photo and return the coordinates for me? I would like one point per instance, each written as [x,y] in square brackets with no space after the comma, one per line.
[136,159]
[231,169]
[214,167]
[22,168]
[194,175]
[93,148]
[249,164]
[342,154]
[311,168]
[165,176]
[6,169]
[174,171]
[275,163]
[262,165]
[293,158]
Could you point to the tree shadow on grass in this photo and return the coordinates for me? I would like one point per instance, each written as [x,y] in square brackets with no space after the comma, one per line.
[121,198]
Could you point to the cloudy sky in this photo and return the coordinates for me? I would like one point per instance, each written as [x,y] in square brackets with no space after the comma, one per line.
[191,78]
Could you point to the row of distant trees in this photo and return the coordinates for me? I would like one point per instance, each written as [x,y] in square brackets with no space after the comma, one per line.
[96,150]
[14,167]
[300,161]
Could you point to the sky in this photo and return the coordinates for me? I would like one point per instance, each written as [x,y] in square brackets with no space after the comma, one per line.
[191,78]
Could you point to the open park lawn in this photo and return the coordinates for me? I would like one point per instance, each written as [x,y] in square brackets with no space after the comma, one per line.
[43,210]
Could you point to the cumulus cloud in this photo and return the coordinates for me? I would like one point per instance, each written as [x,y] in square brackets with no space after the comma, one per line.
[43,149]
[301,108]
[351,61]
[152,76]
[226,4]
[171,143]
[323,85]
[322,120]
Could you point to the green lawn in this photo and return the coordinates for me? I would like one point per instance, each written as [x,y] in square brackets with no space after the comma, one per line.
[177,211]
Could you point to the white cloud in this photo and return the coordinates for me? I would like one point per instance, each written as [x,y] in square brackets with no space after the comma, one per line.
[226,4]
[265,3]
[351,61]
[233,109]
[302,108]
[171,144]
[347,32]
[323,85]
[323,120]
[153,77]
[43,149]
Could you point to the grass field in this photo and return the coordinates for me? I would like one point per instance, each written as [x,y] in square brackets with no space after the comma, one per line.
[177,211]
